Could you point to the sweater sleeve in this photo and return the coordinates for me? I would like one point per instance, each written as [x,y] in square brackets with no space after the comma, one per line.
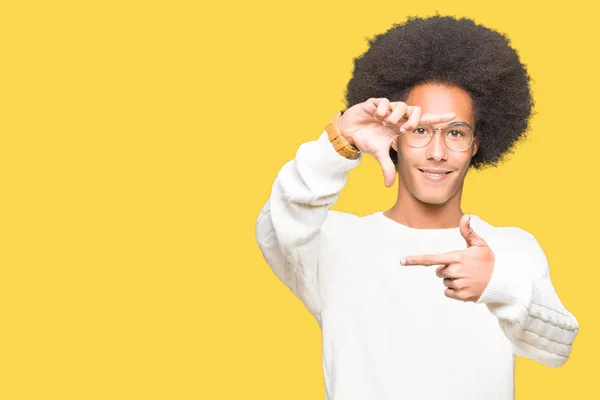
[288,227]
[521,295]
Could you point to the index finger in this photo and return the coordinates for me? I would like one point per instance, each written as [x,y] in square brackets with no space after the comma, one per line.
[431,259]
[431,119]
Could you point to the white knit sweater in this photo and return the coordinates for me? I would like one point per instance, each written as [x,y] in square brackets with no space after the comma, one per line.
[389,332]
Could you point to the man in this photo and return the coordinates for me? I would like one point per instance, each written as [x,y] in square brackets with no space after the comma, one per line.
[421,301]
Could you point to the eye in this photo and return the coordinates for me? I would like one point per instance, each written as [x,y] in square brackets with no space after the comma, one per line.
[421,131]
[455,133]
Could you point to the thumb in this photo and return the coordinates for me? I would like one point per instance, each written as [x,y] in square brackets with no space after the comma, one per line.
[389,169]
[466,231]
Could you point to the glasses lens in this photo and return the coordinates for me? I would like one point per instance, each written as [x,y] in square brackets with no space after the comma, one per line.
[420,137]
[458,138]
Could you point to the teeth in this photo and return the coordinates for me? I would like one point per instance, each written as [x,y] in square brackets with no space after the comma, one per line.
[434,174]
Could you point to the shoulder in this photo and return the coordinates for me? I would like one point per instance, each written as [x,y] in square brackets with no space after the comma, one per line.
[514,243]
[512,235]
[339,222]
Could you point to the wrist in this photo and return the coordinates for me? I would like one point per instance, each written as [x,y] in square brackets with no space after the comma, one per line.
[345,135]
[343,144]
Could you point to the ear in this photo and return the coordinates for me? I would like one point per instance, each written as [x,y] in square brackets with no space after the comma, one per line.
[475,146]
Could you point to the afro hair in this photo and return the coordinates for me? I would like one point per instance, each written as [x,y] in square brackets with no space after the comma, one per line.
[456,52]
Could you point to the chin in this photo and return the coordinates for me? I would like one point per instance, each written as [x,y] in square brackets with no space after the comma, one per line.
[438,202]
[438,199]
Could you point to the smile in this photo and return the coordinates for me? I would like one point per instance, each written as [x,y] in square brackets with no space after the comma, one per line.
[435,176]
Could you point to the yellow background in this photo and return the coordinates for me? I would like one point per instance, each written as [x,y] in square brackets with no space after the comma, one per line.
[139,141]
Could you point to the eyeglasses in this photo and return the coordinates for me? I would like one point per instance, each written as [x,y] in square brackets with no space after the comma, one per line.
[458,136]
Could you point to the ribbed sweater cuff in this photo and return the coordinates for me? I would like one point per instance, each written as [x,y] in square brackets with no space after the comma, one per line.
[507,287]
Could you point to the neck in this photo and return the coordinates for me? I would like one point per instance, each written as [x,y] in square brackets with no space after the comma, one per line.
[414,213]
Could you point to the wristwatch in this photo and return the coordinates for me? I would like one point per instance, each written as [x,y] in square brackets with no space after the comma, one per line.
[340,144]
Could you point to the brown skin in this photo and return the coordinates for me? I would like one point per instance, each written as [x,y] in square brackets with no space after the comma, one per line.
[422,203]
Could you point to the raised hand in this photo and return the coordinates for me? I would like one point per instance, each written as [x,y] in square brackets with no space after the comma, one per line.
[467,272]
[372,126]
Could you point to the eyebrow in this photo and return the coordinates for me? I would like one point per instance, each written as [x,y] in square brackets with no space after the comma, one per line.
[460,123]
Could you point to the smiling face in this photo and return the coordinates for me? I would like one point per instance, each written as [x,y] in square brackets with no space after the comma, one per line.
[419,168]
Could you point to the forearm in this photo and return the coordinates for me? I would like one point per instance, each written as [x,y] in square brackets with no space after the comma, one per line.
[304,190]
[528,308]
[540,328]
[287,229]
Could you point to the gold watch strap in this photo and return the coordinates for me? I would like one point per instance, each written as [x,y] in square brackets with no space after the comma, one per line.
[340,144]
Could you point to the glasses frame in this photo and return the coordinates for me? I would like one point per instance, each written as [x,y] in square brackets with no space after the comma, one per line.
[431,131]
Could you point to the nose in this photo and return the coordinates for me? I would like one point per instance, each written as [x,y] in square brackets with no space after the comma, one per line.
[436,149]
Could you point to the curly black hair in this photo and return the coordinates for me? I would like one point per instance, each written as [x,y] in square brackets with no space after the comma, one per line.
[456,52]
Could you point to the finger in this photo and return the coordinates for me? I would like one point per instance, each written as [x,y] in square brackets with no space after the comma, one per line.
[370,106]
[460,283]
[413,120]
[432,259]
[430,119]
[453,294]
[455,284]
[468,234]
[451,271]
[449,283]
[388,167]
[399,111]
[440,270]
[383,108]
